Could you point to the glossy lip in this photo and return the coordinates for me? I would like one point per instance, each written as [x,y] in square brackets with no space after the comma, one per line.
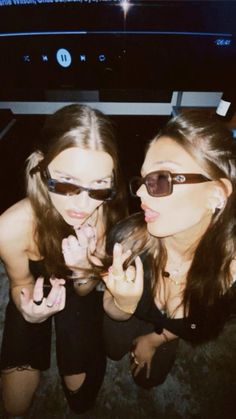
[77,214]
[149,214]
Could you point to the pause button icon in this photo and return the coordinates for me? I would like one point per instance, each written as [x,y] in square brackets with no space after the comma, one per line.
[63,57]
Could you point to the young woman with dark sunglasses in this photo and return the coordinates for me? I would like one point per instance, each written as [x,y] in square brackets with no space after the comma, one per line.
[185,237]
[52,244]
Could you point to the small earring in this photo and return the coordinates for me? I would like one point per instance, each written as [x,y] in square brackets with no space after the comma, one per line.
[211,208]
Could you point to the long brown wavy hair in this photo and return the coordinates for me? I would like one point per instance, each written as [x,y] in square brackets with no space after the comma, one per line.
[212,146]
[72,126]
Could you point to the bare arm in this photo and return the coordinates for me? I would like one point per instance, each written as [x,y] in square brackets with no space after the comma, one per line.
[15,250]
[14,234]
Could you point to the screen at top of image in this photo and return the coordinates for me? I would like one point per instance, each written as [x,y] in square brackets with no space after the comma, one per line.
[34,16]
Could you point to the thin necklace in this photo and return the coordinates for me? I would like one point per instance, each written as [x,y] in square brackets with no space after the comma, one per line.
[167,274]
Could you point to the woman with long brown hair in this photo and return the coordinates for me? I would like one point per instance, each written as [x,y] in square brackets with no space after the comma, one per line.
[185,238]
[52,244]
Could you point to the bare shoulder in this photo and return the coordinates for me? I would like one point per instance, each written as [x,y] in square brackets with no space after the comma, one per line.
[16,223]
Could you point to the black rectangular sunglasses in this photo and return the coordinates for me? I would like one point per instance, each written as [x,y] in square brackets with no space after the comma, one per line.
[160,183]
[69,189]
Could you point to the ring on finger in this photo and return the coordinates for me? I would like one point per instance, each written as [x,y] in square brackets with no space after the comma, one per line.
[49,305]
[129,279]
[38,302]
[118,277]
[136,361]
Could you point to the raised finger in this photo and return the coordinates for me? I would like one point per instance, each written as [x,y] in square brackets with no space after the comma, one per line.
[82,238]
[138,368]
[38,289]
[139,274]
[57,281]
[72,242]
[119,257]
[63,297]
[60,298]
[117,266]
[64,245]
[92,241]
[54,295]
[68,245]
[90,231]
[125,256]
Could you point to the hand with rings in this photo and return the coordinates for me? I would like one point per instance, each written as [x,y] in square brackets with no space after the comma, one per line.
[35,307]
[136,365]
[133,358]
[142,354]
[126,286]
[78,251]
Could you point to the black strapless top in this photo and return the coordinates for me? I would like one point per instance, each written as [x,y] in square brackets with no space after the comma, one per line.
[205,326]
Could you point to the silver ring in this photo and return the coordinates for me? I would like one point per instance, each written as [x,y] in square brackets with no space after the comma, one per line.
[38,302]
[136,362]
[49,305]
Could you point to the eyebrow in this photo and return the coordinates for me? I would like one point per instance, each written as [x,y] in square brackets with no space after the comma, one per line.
[161,162]
[58,172]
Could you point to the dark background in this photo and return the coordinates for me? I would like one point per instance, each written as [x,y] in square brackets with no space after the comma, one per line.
[157,47]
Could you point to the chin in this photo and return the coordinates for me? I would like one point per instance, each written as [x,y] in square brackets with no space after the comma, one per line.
[74,222]
[156,231]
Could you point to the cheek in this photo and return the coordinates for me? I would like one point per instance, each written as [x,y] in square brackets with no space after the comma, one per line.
[58,201]
[179,212]
[93,205]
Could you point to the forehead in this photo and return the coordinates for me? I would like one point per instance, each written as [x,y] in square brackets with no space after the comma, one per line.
[82,163]
[167,153]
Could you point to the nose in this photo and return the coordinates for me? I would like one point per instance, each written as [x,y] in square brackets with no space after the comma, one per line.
[142,191]
[81,200]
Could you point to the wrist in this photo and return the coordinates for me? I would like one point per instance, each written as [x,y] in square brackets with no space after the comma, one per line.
[125,309]
[80,281]
[157,339]
[165,337]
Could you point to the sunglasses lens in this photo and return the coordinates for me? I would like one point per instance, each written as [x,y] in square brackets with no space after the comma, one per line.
[63,188]
[158,184]
[102,194]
